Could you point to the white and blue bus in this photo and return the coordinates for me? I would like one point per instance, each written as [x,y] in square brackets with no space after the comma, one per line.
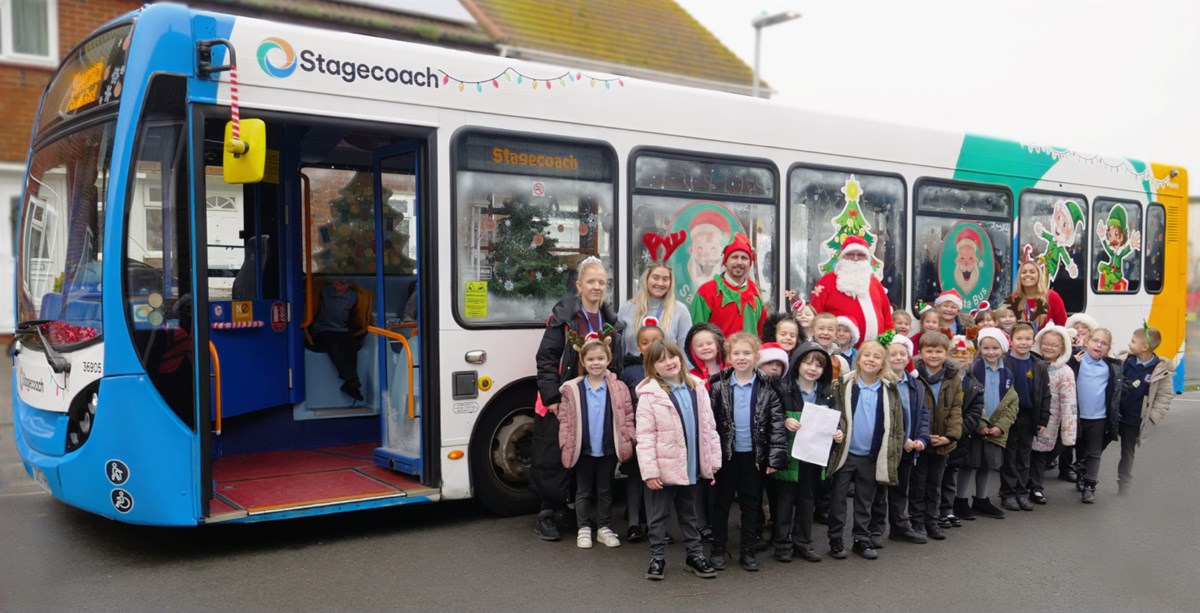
[165,286]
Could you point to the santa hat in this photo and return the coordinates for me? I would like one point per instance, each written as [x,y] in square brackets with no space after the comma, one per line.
[855,333]
[969,235]
[740,243]
[997,335]
[950,295]
[855,243]
[907,342]
[798,304]
[772,352]
[960,347]
[710,217]
[1082,318]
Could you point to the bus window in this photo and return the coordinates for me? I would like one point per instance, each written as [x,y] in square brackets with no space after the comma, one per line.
[343,222]
[1053,227]
[225,219]
[1116,246]
[527,212]
[1155,242]
[691,206]
[818,199]
[962,238]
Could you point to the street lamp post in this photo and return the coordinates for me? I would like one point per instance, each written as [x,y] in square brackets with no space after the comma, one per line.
[763,21]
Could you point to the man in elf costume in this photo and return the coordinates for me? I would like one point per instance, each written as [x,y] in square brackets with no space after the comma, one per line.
[852,290]
[1118,243]
[730,300]
[1067,216]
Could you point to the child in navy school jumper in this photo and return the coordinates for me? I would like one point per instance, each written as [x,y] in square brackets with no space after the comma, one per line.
[1100,384]
[807,381]
[1147,397]
[891,502]
[943,396]
[869,454]
[749,417]
[1033,395]
[595,432]
[983,450]
[632,375]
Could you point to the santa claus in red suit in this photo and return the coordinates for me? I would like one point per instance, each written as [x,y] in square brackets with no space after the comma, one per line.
[853,291]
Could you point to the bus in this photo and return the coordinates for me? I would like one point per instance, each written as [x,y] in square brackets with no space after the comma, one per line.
[195,179]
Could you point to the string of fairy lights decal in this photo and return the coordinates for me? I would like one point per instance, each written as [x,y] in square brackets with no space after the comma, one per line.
[512,75]
[1091,159]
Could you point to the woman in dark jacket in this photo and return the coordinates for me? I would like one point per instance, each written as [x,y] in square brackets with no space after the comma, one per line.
[573,318]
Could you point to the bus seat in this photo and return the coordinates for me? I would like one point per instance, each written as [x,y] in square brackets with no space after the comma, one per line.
[51,306]
[322,385]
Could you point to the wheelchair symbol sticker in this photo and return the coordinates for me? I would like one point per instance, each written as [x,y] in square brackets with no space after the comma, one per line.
[116,471]
[122,501]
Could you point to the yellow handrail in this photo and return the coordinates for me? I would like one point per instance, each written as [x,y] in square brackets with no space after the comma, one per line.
[308,275]
[408,352]
[212,351]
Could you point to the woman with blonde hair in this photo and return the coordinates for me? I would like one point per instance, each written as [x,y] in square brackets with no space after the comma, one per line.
[654,304]
[1033,301]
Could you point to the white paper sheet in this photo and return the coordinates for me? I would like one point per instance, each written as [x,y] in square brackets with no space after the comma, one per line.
[815,436]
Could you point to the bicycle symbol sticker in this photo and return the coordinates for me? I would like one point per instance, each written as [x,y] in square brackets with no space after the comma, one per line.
[116,471]
[122,500]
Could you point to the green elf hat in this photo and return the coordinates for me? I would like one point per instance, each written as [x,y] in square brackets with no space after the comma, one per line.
[1074,210]
[1119,218]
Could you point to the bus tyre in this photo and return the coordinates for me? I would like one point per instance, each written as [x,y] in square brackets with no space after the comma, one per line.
[501,458]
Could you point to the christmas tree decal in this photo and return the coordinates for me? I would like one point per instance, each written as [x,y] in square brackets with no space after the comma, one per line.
[850,222]
[348,241]
[522,256]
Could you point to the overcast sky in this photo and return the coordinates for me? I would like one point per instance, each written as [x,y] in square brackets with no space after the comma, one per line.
[1121,78]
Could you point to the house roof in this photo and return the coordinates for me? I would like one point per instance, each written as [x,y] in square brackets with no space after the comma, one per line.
[362,19]
[650,35]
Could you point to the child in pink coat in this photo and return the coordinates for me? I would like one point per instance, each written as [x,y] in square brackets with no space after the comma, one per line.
[677,449]
[595,432]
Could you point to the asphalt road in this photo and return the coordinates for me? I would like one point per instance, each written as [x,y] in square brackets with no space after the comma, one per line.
[1139,552]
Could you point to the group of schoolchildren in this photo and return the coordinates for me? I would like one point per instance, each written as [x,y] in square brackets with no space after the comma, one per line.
[925,419]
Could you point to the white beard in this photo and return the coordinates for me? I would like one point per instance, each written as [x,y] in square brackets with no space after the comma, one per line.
[854,277]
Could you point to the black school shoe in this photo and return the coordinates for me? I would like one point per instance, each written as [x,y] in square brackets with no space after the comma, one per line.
[546,528]
[910,535]
[935,532]
[806,553]
[1037,497]
[983,506]
[699,566]
[749,561]
[1024,503]
[1009,503]
[783,554]
[865,550]
[657,570]
[837,551]
[636,534]
[717,559]
[962,508]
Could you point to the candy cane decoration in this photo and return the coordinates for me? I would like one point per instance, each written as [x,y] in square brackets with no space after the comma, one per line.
[235,146]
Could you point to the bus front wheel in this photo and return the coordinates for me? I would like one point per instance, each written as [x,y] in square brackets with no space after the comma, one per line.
[501,459]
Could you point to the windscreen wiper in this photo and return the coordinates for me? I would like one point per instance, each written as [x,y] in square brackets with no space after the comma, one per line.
[57,363]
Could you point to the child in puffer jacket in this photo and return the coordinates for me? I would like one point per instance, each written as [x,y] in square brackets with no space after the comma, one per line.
[595,432]
[1053,343]
[677,449]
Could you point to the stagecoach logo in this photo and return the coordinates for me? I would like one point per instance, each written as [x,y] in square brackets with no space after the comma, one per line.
[25,383]
[281,47]
[278,58]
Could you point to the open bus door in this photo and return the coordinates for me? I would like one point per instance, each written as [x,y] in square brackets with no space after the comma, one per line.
[396,221]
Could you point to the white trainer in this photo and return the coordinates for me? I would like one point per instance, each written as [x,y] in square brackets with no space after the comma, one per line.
[607,537]
[584,540]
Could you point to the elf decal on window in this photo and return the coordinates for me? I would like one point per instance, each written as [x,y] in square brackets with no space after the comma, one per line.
[1118,243]
[1064,221]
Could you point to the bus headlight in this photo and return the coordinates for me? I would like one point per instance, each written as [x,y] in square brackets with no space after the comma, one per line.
[81,416]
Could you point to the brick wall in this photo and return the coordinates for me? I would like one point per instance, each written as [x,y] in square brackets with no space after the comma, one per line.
[23,84]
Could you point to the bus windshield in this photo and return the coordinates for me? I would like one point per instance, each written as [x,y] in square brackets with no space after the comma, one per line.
[61,230]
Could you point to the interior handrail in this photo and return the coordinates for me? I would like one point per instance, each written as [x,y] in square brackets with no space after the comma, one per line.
[216,361]
[309,311]
[407,352]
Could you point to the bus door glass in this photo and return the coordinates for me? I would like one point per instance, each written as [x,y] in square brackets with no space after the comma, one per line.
[396,193]
[247,315]
[962,240]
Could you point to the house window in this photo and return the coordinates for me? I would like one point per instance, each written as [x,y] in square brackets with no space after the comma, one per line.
[29,30]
